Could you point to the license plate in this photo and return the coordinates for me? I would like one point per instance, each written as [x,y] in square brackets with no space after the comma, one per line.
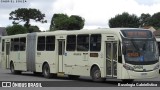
[143,74]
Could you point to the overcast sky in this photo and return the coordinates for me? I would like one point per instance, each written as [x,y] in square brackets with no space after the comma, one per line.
[95,12]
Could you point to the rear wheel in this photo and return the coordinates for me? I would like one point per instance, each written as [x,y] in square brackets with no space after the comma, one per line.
[96,75]
[12,68]
[13,71]
[46,71]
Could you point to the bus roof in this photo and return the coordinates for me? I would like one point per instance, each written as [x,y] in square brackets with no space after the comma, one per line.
[82,31]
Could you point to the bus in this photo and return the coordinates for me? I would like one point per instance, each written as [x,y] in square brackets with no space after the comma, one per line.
[158,42]
[116,53]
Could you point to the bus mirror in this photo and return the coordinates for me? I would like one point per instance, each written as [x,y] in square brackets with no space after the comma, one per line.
[124,50]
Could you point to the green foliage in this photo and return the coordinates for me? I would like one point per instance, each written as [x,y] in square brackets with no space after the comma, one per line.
[155,20]
[144,19]
[16,29]
[25,14]
[124,20]
[34,29]
[75,22]
[64,22]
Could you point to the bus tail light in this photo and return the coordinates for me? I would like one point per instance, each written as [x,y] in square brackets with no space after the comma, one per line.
[128,67]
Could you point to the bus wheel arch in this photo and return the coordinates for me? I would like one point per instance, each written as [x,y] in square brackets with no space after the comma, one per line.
[95,73]
[12,68]
[46,70]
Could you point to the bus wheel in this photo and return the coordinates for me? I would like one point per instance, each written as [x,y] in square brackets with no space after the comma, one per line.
[46,71]
[96,75]
[12,69]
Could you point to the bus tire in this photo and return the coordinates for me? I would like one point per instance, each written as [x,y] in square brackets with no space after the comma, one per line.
[46,71]
[12,68]
[13,71]
[96,75]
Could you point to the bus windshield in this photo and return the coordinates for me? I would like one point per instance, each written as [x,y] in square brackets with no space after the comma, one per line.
[140,51]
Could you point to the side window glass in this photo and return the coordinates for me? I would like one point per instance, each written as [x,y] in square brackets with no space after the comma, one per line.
[71,43]
[82,42]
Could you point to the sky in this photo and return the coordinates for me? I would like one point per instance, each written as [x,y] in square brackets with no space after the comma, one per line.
[95,12]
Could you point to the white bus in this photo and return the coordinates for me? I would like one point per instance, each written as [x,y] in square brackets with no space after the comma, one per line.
[158,42]
[118,53]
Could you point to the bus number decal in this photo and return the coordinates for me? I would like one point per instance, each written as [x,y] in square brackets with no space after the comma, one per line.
[77,54]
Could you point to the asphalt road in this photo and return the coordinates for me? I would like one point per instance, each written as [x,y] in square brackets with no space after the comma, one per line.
[64,83]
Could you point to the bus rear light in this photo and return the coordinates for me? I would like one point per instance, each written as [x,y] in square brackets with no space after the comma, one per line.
[128,67]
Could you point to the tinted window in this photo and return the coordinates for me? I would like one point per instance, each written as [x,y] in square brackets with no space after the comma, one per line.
[22,44]
[82,42]
[71,42]
[158,47]
[95,42]
[16,44]
[3,45]
[41,43]
[50,43]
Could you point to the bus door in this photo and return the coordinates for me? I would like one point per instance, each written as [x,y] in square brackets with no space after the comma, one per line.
[111,59]
[61,49]
[7,48]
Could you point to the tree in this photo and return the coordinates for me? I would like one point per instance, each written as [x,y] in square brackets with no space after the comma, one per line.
[124,20]
[25,15]
[64,22]
[59,22]
[34,29]
[155,20]
[16,29]
[75,22]
[144,19]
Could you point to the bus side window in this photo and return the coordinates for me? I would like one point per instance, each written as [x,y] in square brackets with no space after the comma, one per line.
[95,42]
[22,44]
[50,43]
[16,44]
[3,45]
[71,43]
[82,42]
[41,43]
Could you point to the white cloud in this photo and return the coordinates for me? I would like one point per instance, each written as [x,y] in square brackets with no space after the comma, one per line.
[147,2]
[98,12]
